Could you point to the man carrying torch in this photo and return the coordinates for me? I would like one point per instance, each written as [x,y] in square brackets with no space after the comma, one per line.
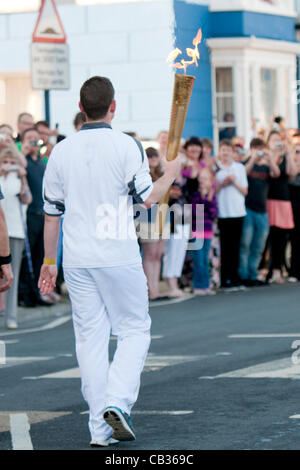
[86,176]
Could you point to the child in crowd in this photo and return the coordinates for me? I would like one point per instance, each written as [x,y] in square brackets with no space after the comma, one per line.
[232,188]
[204,203]
[260,167]
[153,247]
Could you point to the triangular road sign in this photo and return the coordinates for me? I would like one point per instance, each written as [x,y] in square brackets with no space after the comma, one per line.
[49,27]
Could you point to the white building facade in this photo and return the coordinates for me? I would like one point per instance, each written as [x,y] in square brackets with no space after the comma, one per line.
[248,64]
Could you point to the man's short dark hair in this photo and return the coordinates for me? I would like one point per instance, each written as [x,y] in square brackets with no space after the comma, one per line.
[42,123]
[96,96]
[257,143]
[26,131]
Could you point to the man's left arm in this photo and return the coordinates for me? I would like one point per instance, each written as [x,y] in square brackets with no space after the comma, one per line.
[54,209]
[48,274]
[5,258]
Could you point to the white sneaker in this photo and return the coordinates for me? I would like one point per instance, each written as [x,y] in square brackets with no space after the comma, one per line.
[211,292]
[11,325]
[108,442]
[293,280]
[200,292]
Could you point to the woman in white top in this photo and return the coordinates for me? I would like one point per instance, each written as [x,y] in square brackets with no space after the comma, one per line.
[16,196]
[232,188]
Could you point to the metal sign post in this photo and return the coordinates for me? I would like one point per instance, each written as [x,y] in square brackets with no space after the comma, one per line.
[49,54]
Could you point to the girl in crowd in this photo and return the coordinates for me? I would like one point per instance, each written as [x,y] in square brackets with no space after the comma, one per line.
[208,161]
[232,188]
[176,245]
[193,150]
[204,197]
[162,140]
[153,248]
[279,205]
[16,195]
[295,234]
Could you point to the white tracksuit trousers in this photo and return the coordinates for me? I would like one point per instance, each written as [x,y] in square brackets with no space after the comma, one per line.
[105,300]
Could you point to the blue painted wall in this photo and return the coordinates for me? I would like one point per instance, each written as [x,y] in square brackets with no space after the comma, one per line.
[189,18]
[245,24]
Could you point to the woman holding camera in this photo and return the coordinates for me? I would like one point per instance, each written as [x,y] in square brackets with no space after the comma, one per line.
[279,205]
[16,195]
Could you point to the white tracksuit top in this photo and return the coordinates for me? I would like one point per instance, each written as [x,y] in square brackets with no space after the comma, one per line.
[91,178]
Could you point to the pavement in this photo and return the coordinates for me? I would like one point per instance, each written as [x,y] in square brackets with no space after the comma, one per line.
[223,373]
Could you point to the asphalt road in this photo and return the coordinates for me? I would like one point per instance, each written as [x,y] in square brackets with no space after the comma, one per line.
[205,385]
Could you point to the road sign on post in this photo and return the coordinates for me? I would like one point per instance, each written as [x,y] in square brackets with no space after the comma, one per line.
[49,53]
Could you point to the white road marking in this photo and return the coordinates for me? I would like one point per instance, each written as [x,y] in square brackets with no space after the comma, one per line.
[171,301]
[19,428]
[114,338]
[171,413]
[15,361]
[295,417]
[153,363]
[279,369]
[155,412]
[49,326]
[258,336]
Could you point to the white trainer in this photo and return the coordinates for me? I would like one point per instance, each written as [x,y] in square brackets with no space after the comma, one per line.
[11,325]
[106,443]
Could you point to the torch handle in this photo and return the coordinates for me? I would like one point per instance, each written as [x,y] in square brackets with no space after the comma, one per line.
[183,87]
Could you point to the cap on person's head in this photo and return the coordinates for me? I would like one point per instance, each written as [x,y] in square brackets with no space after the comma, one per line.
[96,96]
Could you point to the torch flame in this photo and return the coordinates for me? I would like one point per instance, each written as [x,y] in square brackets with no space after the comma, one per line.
[194,54]
[173,55]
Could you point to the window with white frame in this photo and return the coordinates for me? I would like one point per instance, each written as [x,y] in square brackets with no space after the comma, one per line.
[225,102]
[269,98]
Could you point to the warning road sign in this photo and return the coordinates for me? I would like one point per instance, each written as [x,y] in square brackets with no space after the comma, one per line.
[49,27]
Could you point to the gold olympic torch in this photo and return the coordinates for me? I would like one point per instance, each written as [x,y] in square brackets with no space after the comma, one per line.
[183,88]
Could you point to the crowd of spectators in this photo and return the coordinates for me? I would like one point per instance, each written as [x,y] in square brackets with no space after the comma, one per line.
[247,199]
[23,160]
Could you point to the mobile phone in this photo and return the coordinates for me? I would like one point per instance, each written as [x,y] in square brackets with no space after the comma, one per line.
[13,168]
[260,153]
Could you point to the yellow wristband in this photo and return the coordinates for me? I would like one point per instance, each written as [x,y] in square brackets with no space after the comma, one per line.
[49,261]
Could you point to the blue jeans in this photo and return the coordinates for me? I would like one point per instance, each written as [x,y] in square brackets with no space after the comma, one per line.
[200,258]
[254,237]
